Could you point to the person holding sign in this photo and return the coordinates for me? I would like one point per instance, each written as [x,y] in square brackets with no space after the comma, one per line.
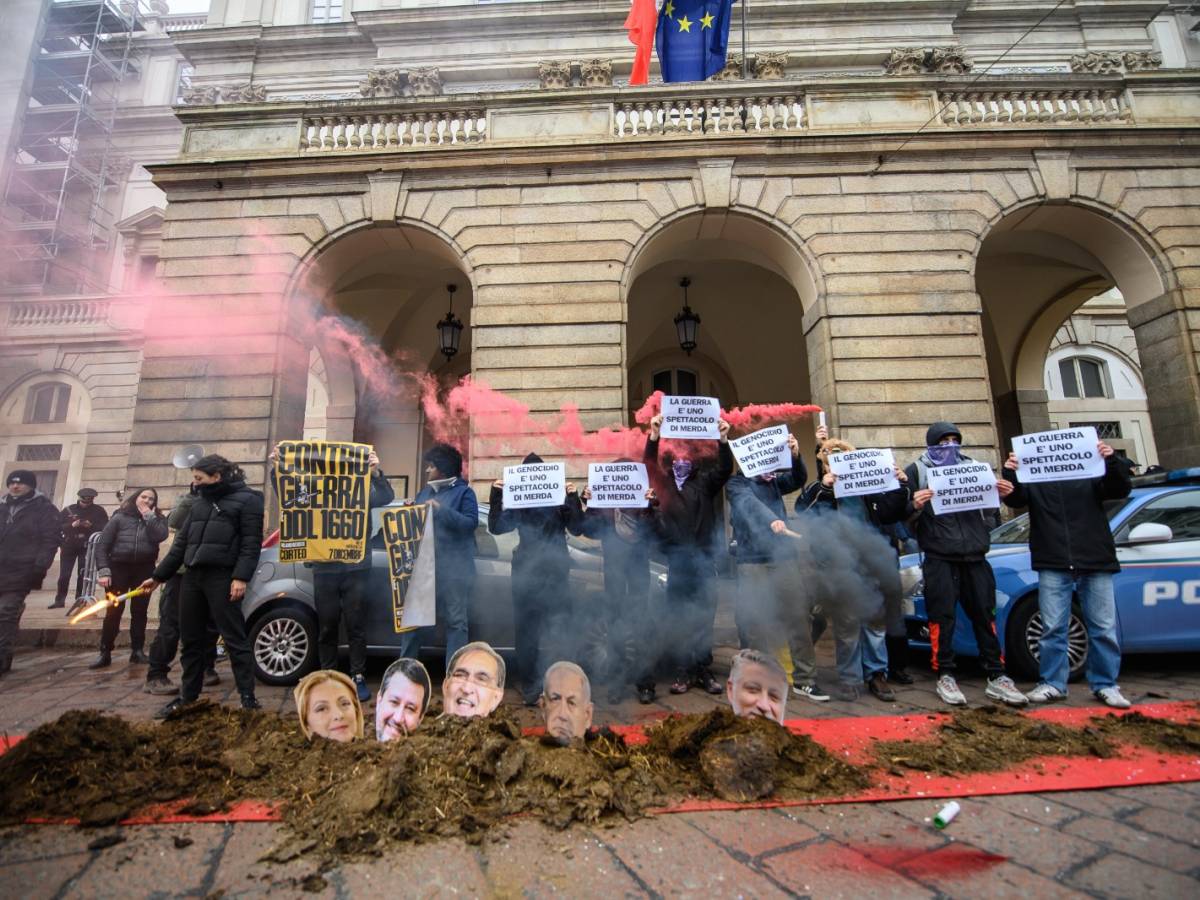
[540,565]
[1071,548]
[455,518]
[625,534]
[863,649]
[340,587]
[770,600]
[220,544]
[956,570]
[686,524]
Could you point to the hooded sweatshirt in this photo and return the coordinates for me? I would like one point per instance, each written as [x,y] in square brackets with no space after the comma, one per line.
[956,537]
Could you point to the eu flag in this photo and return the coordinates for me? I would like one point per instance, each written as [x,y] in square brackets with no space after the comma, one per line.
[693,36]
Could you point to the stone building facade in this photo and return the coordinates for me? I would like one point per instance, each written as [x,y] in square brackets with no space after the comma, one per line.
[895,216]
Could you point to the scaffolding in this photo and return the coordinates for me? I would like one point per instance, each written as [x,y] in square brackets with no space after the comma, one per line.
[57,229]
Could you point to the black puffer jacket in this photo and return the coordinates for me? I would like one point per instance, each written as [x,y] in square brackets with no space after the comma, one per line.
[1068,529]
[958,537]
[224,530]
[687,516]
[130,539]
[542,530]
[28,541]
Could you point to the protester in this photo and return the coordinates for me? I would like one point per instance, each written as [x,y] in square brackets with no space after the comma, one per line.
[220,545]
[566,702]
[474,684]
[771,599]
[78,522]
[626,536]
[340,590]
[686,523]
[328,706]
[540,569]
[956,571]
[29,537]
[757,686]
[125,557]
[1071,548]
[863,648]
[403,699]
[166,640]
[455,518]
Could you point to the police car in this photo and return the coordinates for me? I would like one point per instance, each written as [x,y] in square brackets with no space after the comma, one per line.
[1157,533]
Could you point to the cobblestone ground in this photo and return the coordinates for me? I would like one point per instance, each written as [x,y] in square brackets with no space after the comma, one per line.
[1128,842]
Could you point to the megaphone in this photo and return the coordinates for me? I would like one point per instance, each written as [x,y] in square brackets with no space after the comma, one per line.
[186,457]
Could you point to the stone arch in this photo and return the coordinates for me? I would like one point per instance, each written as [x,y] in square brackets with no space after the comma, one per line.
[28,444]
[1037,262]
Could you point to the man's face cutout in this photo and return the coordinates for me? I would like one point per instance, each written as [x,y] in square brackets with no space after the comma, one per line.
[398,710]
[565,705]
[757,692]
[472,688]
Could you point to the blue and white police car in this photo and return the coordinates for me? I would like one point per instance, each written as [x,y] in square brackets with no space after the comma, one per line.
[1157,533]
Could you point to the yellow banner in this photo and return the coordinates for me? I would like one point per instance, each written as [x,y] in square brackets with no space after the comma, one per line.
[322,488]
[411,564]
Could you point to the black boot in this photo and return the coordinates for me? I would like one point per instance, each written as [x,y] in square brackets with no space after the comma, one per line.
[103,661]
[249,701]
[897,651]
[137,657]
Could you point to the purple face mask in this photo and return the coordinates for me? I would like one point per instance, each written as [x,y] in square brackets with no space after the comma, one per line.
[944,454]
[681,469]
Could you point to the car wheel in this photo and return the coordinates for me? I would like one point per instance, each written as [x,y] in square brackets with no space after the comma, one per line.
[284,645]
[1024,634]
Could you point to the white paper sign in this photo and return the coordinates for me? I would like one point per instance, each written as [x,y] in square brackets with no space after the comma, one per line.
[618,485]
[691,418]
[862,472]
[535,484]
[1058,455]
[970,485]
[762,451]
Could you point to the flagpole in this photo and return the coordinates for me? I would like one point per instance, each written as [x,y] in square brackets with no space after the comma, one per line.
[745,60]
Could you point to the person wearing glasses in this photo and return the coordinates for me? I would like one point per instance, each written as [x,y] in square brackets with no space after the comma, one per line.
[474,684]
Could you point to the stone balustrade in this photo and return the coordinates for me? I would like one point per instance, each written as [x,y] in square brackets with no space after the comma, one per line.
[67,315]
[816,106]
[1034,107]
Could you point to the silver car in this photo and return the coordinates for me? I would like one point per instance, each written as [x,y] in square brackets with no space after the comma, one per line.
[281,615]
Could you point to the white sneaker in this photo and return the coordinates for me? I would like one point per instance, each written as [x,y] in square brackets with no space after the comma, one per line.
[1045,693]
[1111,696]
[947,689]
[1002,688]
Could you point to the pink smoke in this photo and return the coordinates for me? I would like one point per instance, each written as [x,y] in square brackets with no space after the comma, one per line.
[750,417]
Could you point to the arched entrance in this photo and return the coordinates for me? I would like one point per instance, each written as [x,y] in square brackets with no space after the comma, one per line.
[750,285]
[387,286]
[1036,272]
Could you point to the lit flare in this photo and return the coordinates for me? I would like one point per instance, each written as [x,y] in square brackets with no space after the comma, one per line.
[110,599]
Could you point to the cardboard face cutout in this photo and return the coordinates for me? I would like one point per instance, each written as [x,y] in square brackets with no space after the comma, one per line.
[327,703]
[756,691]
[473,686]
[566,705]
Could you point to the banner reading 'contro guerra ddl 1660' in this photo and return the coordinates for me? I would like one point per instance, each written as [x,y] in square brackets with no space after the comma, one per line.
[322,488]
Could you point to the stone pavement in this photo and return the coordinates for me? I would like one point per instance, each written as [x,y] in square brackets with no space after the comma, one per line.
[1142,841]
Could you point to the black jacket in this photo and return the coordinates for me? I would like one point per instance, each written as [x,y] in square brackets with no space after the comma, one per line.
[1068,528]
[454,526]
[542,530]
[28,541]
[957,537]
[222,531]
[687,517]
[754,503]
[882,509]
[78,523]
[130,539]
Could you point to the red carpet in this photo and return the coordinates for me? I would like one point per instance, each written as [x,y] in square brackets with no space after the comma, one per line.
[852,738]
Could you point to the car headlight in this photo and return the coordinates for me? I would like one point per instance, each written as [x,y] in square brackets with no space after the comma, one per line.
[912,581]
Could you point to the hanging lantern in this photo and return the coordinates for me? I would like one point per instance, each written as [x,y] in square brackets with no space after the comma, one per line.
[449,328]
[687,323]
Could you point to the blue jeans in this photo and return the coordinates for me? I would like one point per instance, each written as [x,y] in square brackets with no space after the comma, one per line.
[873,642]
[1095,592]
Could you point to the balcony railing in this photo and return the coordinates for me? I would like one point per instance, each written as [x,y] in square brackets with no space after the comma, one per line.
[67,315]
[697,111]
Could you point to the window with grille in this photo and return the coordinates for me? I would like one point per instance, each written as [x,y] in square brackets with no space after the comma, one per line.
[1083,377]
[39,452]
[1105,431]
[47,403]
[325,11]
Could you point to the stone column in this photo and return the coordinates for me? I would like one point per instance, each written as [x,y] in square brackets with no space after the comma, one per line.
[1167,330]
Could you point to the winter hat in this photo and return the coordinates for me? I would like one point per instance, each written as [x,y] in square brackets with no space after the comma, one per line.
[87,494]
[939,430]
[22,476]
[531,458]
